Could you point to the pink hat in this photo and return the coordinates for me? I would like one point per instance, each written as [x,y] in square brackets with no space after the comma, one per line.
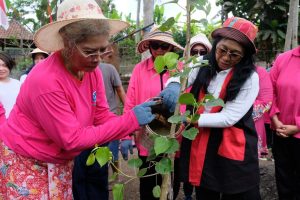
[238,29]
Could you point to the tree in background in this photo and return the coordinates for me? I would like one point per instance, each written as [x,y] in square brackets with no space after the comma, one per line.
[23,10]
[270,17]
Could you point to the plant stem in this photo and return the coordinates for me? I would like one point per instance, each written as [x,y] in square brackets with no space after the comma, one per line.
[166,179]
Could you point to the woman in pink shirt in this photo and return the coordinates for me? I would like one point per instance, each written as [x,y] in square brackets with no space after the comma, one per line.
[144,84]
[61,109]
[285,116]
[261,106]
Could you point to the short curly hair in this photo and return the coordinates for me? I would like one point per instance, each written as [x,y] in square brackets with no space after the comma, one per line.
[8,60]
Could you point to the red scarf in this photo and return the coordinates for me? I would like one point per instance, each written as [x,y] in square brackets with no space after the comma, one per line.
[232,145]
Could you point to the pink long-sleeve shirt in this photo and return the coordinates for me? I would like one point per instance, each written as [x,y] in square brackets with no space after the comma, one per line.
[57,116]
[264,98]
[2,114]
[285,75]
[144,83]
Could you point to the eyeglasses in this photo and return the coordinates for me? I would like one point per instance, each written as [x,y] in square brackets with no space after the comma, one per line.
[162,46]
[102,52]
[233,56]
[196,52]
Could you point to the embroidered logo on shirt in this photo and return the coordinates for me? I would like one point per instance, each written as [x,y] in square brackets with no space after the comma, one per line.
[94,97]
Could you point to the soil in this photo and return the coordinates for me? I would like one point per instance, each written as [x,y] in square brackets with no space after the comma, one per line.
[267,186]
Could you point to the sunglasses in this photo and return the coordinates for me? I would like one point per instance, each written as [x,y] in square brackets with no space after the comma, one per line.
[162,46]
[102,52]
[233,56]
[196,52]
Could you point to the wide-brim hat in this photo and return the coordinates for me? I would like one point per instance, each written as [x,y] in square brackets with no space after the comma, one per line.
[157,35]
[37,50]
[48,38]
[240,30]
[200,39]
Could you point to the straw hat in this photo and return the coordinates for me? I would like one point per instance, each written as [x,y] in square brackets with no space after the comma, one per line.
[37,50]
[200,39]
[157,35]
[48,39]
[240,30]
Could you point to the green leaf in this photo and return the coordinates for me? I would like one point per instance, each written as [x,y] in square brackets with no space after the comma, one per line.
[161,145]
[159,64]
[281,34]
[167,25]
[171,60]
[135,162]
[151,155]
[174,146]
[142,172]
[185,72]
[174,1]
[113,177]
[91,159]
[282,8]
[187,99]
[267,35]
[177,17]
[215,102]
[195,118]
[118,191]
[103,155]
[208,9]
[207,98]
[8,4]
[156,191]
[190,133]
[174,119]
[164,166]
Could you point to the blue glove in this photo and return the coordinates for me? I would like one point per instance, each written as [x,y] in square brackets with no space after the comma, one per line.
[170,95]
[143,113]
[125,146]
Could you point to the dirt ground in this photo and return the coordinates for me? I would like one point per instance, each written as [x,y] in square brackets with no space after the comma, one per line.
[267,186]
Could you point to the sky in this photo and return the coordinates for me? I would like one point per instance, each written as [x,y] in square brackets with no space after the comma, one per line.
[171,10]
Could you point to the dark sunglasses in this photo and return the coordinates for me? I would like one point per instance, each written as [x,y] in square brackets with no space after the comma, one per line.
[198,52]
[162,46]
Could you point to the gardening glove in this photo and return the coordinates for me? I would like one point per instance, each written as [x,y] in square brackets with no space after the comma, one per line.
[170,95]
[125,146]
[143,113]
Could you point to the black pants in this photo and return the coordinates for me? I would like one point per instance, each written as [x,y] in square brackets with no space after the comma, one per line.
[187,187]
[287,167]
[147,184]
[270,135]
[206,194]
[89,182]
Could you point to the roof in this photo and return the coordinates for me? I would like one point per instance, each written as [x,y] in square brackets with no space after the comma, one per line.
[15,30]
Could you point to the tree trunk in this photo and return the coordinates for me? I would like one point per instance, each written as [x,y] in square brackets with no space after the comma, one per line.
[295,24]
[138,34]
[293,16]
[148,11]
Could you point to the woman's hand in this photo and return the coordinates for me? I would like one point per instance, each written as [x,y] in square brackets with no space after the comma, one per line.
[278,125]
[287,130]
